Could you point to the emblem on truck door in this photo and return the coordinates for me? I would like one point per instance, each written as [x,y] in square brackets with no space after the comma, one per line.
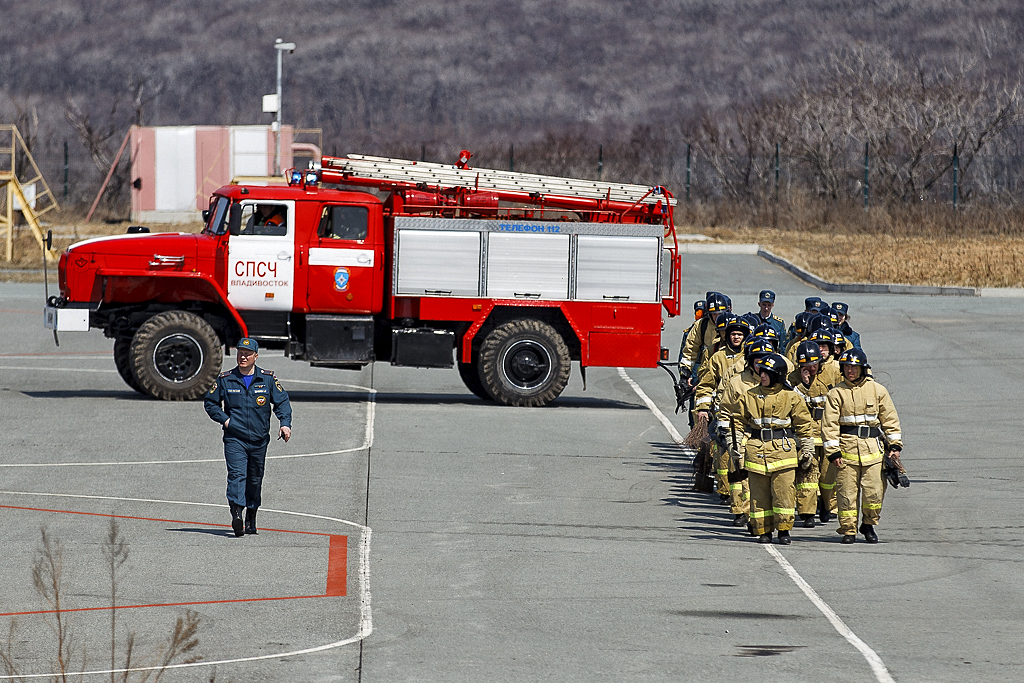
[341,276]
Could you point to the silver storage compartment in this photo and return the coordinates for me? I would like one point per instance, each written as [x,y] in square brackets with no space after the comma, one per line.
[527,266]
[617,268]
[438,263]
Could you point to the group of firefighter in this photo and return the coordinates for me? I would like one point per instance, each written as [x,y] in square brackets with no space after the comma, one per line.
[795,422]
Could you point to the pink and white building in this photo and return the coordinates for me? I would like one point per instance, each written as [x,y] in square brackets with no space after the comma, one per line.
[175,169]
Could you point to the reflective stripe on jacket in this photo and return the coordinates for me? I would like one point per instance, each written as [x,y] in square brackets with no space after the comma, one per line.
[864,403]
[774,407]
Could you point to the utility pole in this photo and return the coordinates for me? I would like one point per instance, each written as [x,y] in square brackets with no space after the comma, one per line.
[280,46]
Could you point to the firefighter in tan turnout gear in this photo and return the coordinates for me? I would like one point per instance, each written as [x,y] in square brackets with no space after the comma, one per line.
[740,378]
[773,415]
[733,331]
[809,382]
[859,424]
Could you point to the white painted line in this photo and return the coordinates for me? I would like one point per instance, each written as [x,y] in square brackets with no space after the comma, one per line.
[672,431]
[365,608]
[876,663]
[371,406]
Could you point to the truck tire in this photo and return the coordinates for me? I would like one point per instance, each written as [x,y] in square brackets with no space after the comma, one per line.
[470,374]
[123,363]
[524,363]
[176,356]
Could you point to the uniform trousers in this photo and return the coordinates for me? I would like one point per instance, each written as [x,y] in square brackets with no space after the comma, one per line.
[721,463]
[826,481]
[245,463]
[807,489]
[772,501]
[859,484]
[739,491]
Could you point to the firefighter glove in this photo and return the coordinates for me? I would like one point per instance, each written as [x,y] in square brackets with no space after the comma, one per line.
[806,454]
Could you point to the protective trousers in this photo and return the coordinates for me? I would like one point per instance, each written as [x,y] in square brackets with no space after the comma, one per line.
[826,481]
[863,484]
[721,463]
[772,501]
[739,491]
[807,489]
[245,463]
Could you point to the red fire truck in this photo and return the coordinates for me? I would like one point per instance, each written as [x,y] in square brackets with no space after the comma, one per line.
[509,276]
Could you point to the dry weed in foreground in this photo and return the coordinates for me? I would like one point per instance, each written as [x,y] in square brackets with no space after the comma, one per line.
[48,580]
[853,257]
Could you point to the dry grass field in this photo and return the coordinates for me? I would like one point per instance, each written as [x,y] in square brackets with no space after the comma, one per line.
[912,260]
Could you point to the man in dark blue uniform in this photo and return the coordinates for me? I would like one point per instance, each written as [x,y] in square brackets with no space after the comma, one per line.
[247,394]
[843,311]
[766,302]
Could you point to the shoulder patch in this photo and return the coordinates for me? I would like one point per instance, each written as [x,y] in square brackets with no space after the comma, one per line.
[267,372]
[778,318]
[225,374]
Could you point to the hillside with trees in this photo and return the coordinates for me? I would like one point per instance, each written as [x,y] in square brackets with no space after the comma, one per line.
[545,85]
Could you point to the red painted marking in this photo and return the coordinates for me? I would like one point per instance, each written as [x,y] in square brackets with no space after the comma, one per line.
[337,566]
[54,353]
[156,519]
[161,604]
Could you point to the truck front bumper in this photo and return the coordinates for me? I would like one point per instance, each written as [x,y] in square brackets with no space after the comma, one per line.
[66,319]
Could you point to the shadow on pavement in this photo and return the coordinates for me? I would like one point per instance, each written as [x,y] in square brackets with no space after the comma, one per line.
[209,532]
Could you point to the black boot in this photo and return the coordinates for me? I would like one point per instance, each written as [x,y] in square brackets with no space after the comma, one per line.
[250,521]
[784,538]
[847,540]
[741,519]
[765,538]
[869,533]
[823,512]
[808,521]
[237,523]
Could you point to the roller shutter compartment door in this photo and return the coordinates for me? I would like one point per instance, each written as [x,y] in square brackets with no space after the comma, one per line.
[438,263]
[617,267]
[528,266]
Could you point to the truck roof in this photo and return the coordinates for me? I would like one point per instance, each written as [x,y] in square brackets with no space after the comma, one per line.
[296,192]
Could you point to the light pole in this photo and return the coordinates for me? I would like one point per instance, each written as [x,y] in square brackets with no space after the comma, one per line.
[280,46]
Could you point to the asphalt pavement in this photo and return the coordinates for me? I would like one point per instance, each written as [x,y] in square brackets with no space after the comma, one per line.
[507,544]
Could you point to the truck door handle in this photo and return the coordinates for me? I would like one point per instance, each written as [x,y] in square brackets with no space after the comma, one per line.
[527,295]
[362,258]
[284,256]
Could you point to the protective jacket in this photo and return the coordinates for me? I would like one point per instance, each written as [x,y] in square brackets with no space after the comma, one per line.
[711,375]
[700,341]
[856,415]
[248,408]
[771,416]
[830,372]
[813,395]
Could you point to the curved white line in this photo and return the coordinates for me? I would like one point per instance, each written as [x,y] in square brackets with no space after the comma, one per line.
[365,609]
[367,440]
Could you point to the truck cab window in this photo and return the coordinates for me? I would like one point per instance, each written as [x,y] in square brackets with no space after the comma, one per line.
[264,220]
[344,222]
[217,216]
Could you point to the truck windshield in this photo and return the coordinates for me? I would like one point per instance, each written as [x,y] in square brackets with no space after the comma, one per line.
[215,224]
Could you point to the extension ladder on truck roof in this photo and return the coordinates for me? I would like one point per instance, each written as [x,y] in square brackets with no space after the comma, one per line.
[460,186]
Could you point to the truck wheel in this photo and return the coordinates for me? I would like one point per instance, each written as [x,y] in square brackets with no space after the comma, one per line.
[123,363]
[176,356]
[524,363]
[470,374]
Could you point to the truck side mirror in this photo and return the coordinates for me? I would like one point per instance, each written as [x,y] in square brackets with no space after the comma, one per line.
[206,215]
[235,219]
[49,240]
